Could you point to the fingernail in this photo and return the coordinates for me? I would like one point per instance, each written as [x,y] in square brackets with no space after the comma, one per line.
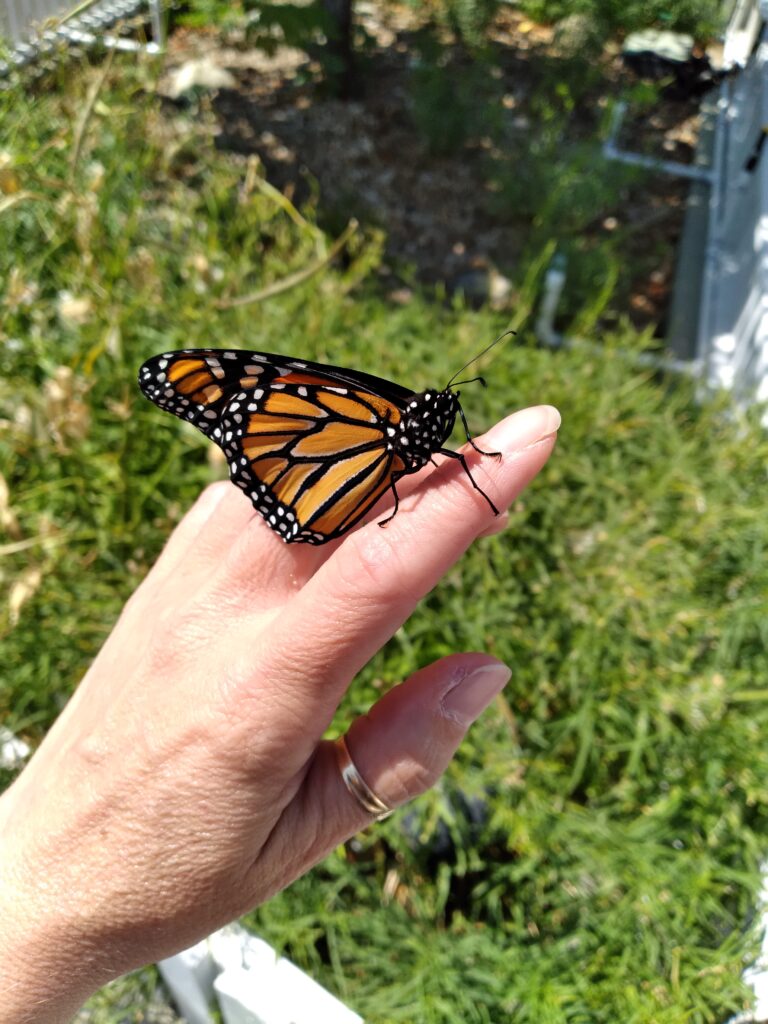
[538,422]
[472,694]
[550,420]
[525,428]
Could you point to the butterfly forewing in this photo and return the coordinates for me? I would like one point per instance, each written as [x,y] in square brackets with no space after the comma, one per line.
[197,384]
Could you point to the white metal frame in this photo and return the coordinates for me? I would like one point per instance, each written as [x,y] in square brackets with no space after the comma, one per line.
[731,341]
[733,323]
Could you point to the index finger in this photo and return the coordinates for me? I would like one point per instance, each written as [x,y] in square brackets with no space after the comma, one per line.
[369,586]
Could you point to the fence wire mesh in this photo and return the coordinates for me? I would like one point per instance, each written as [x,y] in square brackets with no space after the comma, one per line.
[32,29]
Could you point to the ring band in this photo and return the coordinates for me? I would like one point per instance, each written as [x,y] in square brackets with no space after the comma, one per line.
[356,784]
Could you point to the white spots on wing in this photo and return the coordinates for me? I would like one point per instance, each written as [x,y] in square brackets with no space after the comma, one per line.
[277,387]
[209,414]
[254,371]
[338,391]
[229,355]
[258,393]
[303,391]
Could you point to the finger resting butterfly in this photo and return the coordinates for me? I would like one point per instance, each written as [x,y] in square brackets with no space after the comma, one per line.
[314,447]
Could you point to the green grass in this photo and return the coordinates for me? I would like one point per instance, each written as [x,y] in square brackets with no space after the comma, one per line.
[592,854]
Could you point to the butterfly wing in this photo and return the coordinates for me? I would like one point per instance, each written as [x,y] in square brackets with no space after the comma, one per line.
[196,384]
[309,444]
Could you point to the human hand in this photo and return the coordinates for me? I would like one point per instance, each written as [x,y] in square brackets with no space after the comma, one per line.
[187,779]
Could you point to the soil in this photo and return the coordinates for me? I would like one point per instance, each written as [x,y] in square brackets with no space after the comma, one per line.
[367,158]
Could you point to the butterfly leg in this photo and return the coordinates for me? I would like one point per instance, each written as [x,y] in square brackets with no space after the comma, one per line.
[465,467]
[493,455]
[392,515]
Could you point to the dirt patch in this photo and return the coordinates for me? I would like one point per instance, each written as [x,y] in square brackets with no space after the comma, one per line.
[441,212]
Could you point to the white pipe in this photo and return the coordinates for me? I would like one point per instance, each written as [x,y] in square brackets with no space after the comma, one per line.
[554,282]
[612,152]
[74,35]
[651,163]
[156,15]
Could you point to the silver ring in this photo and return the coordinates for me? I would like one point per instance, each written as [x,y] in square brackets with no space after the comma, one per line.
[356,784]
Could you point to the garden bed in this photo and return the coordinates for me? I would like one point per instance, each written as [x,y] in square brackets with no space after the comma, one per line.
[463,194]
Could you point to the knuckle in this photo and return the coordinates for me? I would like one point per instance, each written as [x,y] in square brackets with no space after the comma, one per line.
[420,768]
[411,778]
[370,567]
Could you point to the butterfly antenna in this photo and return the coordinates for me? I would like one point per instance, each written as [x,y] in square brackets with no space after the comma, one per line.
[479,356]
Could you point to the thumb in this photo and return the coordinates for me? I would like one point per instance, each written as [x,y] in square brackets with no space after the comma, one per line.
[403,745]
[399,749]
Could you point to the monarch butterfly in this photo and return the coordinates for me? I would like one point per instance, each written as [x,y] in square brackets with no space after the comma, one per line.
[313,446]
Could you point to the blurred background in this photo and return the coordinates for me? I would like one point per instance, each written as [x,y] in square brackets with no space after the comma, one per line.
[388,187]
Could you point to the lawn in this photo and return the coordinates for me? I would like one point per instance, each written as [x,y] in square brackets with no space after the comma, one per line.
[593,853]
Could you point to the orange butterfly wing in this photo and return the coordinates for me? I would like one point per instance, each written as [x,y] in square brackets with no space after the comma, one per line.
[309,445]
[319,456]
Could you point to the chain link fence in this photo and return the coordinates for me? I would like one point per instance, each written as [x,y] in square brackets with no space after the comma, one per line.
[33,29]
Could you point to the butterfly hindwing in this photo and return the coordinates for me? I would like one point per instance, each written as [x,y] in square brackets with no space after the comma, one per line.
[311,454]
[308,443]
